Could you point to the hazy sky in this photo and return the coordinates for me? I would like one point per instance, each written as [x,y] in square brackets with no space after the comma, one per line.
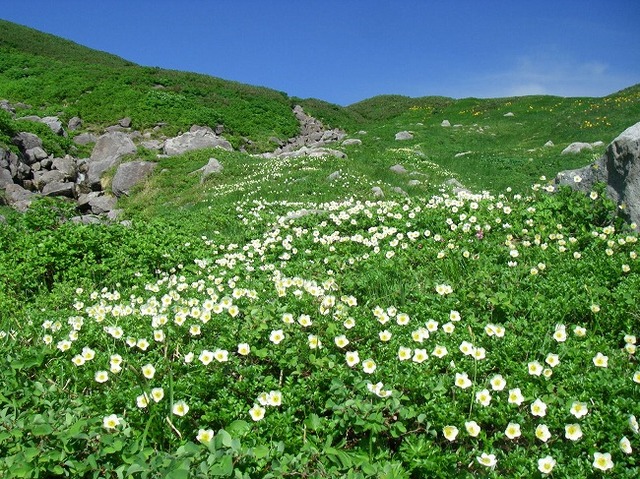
[344,51]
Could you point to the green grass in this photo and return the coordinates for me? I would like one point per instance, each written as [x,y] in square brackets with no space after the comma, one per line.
[209,274]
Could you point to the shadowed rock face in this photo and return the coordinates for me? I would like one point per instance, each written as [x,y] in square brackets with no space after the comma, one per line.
[618,168]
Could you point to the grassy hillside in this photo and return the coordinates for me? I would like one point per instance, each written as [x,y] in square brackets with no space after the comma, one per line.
[277,319]
[58,77]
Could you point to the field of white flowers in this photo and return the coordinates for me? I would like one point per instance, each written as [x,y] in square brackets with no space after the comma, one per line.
[452,336]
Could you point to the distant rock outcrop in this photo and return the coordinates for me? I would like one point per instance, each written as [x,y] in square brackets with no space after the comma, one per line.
[312,140]
[196,139]
[618,168]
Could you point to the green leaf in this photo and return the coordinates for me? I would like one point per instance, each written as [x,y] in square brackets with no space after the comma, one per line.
[260,452]
[238,428]
[222,468]
[41,430]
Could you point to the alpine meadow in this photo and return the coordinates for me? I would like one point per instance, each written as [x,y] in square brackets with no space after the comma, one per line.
[399,288]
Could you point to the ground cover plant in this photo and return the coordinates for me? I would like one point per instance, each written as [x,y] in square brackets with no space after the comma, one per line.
[277,320]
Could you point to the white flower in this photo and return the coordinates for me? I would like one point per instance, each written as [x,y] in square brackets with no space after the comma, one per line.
[546,464]
[488,460]
[497,382]
[142,401]
[602,461]
[450,433]
[513,430]
[600,360]
[180,408]
[539,408]
[515,396]
[573,432]
[111,422]
[542,432]
[625,445]
[276,336]
[244,349]
[101,376]
[472,427]
[579,409]
[368,366]
[483,397]
[256,412]
[148,371]
[157,394]
[206,357]
[204,435]
[352,358]
[462,380]
[419,355]
[274,398]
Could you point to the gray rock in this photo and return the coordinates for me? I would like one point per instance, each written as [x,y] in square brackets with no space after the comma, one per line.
[18,197]
[352,142]
[87,219]
[25,141]
[85,139]
[74,123]
[154,145]
[129,175]
[212,167]
[33,118]
[5,177]
[195,141]
[67,166]
[59,189]
[549,144]
[125,122]
[107,153]
[414,182]
[54,123]
[508,114]
[399,191]
[100,205]
[43,177]
[404,135]
[445,123]
[618,168]
[597,144]
[377,192]
[334,176]
[576,147]
[3,220]
[399,169]
[35,154]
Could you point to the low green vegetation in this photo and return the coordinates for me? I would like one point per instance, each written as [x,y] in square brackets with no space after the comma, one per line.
[276,319]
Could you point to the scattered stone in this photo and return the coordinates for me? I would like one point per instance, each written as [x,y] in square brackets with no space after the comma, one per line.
[508,114]
[404,135]
[125,122]
[17,197]
[334,176]
[87,219]
[377,192]
[85,138]
[6,178]
[549,144]
[54,123]
[213,167]
[129,175]
[414,182]
[101,205]
[362,132]
[400,191]
[576,147]
[43,177]
[399,169]
[462,153]
[445,123]
[618,168]
[351,142]
[74,123]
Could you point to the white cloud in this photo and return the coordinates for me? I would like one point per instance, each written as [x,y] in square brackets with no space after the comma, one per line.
[554,74]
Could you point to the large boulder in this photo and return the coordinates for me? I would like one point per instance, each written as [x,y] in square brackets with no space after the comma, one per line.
[54,123]
[618,168]
[130,174]
[67,166]
[195,140]
[107,153]
[17,197]
[26,141]
[59,188]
